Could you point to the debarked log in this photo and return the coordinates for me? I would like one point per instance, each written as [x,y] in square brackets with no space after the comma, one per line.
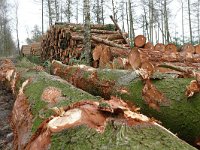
[163,98]
[62,116]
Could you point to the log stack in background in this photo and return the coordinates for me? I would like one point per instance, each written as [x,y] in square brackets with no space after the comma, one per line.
[64,42]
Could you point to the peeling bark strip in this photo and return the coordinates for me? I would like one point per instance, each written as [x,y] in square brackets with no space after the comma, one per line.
[175,111]
[82,120]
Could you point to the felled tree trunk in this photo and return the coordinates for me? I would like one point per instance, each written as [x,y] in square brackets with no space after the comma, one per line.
[163,99]
[62,116]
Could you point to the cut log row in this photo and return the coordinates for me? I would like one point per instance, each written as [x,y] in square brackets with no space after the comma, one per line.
[57,113]
[64,42]
[163,99]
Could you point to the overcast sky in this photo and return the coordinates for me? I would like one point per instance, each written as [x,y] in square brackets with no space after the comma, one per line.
[30,15]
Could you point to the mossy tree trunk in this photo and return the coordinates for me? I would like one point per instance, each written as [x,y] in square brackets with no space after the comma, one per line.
[180,114]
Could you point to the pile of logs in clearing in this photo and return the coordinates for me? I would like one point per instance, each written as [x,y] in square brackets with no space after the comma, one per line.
[64,42]
[111,49]
[186,56]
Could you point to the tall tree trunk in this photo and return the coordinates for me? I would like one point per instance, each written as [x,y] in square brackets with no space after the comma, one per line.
[114,11]
[61,11]
[122,15]
[132,32]
[146,23]
[198,20]
[17,24]
[69,11]
[42,16]
[50,13]
[143,26]
[190,23]
[56,10]
[158,31]
[127,20]
[152,20]
[183,32]
[98,12]
[77,12]
[166,22]
[162,23]
[87,33]
[102,11]
[151,7]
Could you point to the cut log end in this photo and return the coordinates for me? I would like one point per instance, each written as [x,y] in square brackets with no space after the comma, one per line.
[139,41]
[188,48]
[160,47]
[134,58]
[149,46]
[170,48]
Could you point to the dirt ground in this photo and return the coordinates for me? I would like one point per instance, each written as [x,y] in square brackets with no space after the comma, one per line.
[6,104]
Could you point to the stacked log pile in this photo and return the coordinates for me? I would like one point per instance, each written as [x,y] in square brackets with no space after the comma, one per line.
[36,48]
[111,48]
[65,42]
[132,58]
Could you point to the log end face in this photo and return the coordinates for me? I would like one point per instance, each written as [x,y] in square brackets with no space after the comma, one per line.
[139,41]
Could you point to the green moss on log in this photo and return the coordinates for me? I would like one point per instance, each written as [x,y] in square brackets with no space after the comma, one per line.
[34,92]
[118,137]
[181,117]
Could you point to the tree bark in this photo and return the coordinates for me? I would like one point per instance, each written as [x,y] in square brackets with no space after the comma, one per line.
[178,113]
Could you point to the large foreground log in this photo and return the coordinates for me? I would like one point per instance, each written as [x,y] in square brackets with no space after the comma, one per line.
[170,104]
[78,120]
